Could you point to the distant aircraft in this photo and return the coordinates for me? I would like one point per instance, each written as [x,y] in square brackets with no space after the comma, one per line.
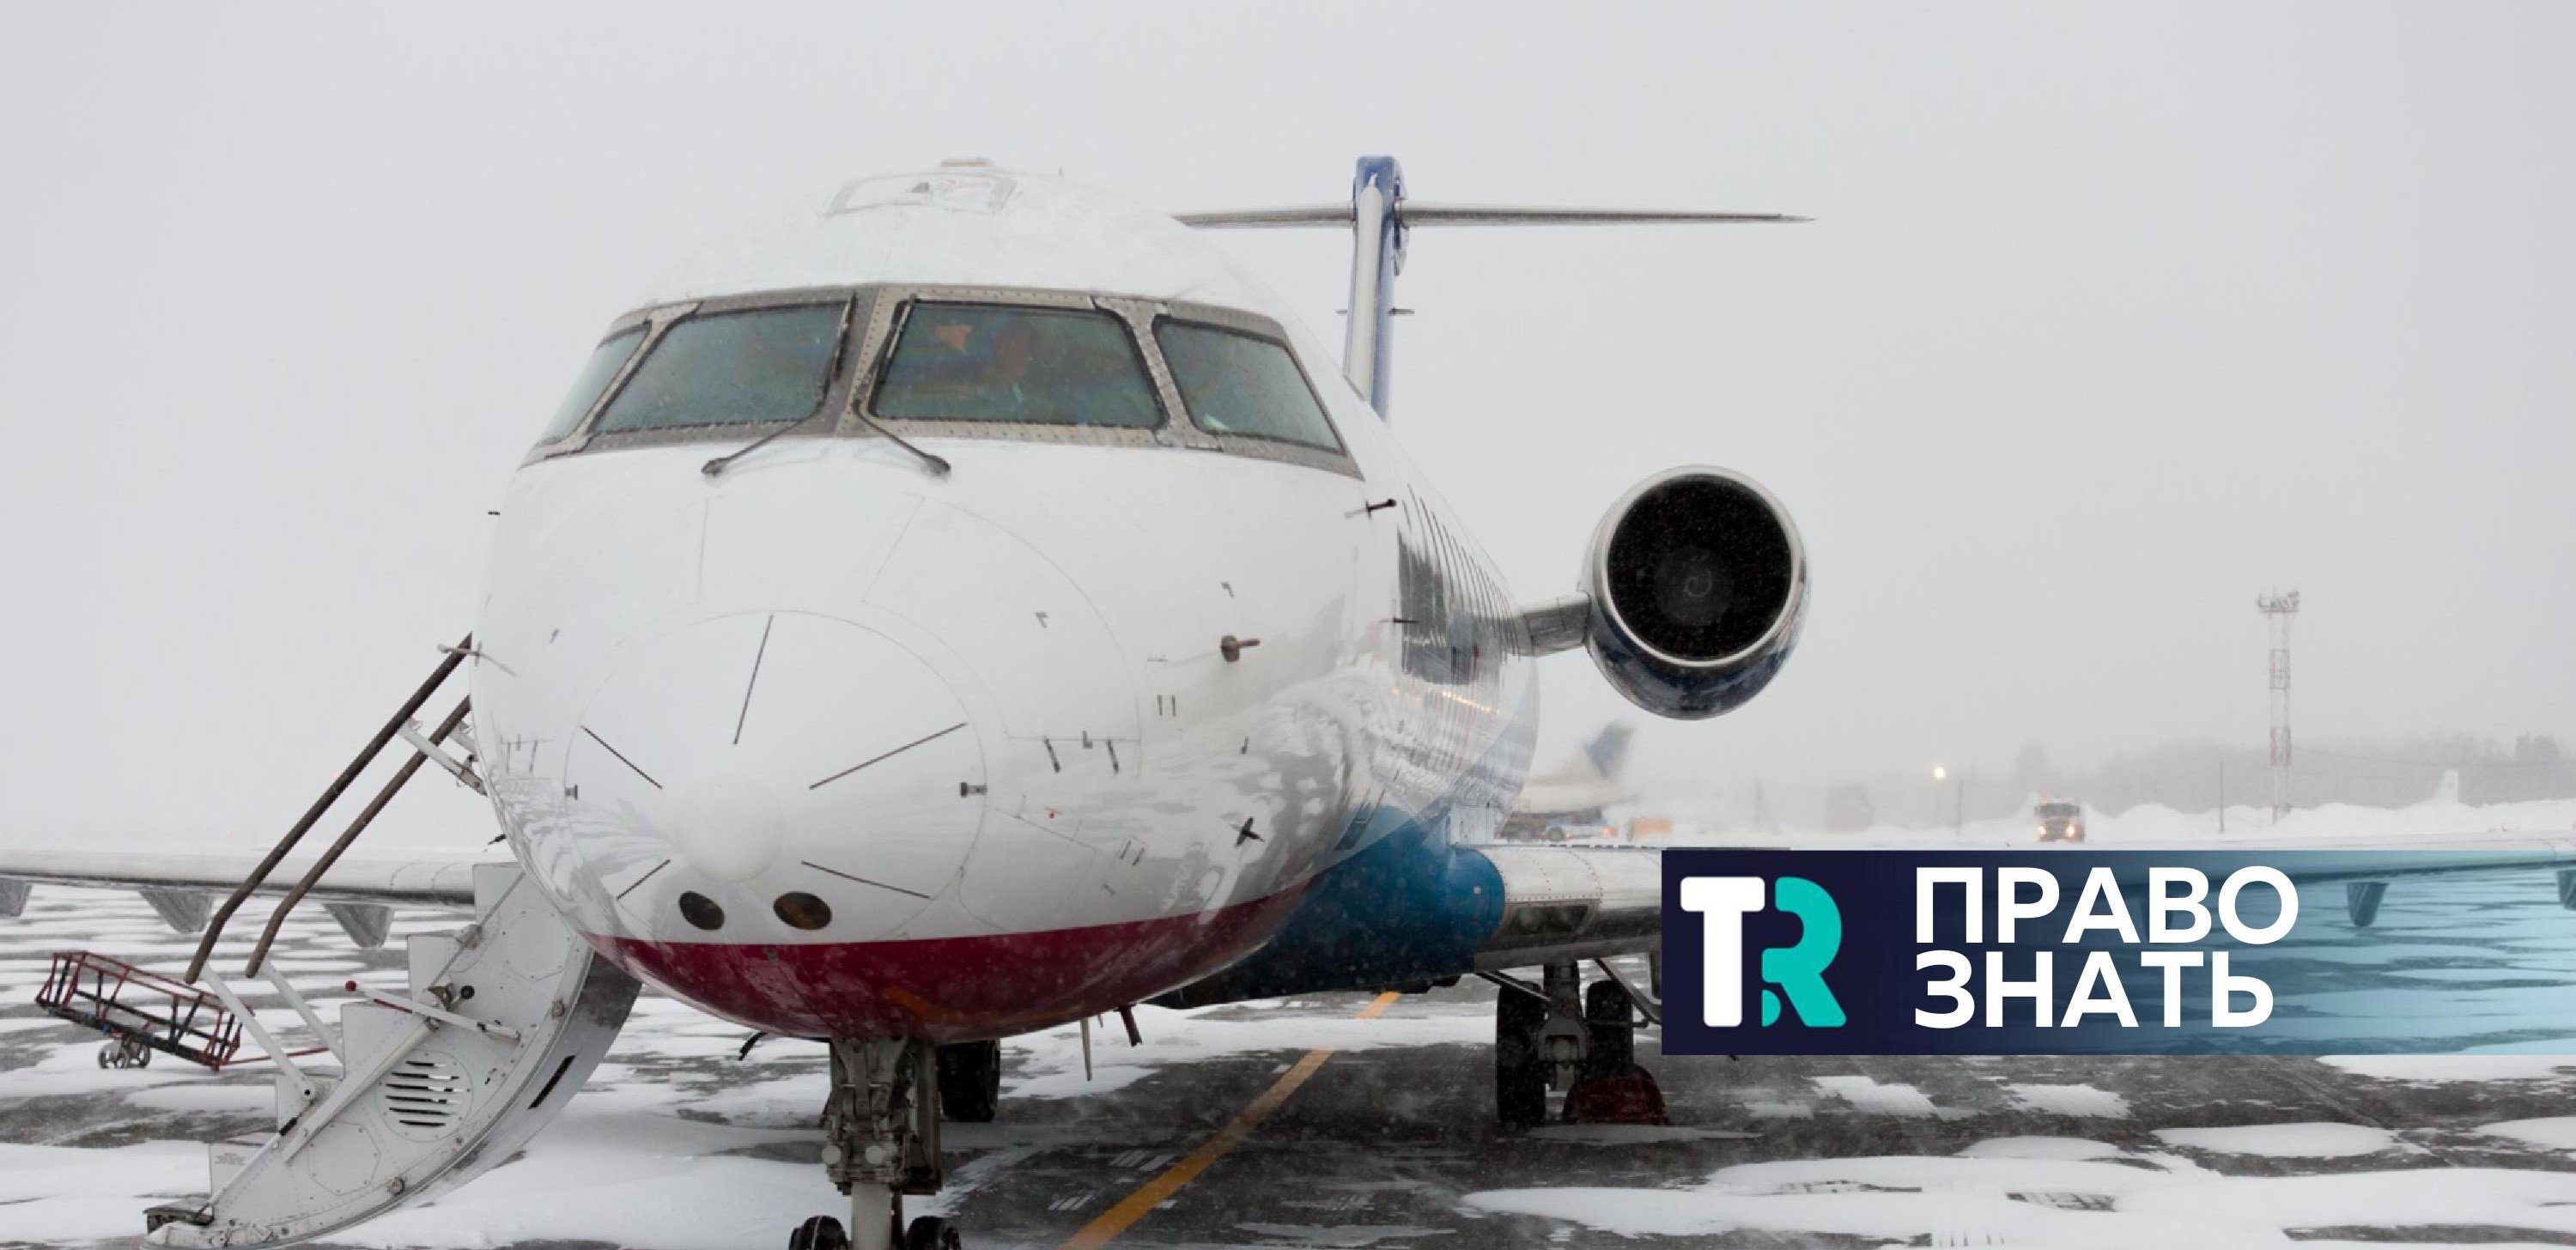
[964,605]
[1578,790]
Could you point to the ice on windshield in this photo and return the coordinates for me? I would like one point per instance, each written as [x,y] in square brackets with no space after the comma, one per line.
[757,366]
[1237,384]
[1038,366]
[605,360]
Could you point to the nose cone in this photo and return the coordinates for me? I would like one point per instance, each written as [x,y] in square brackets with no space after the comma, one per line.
[727,825]
[766,762]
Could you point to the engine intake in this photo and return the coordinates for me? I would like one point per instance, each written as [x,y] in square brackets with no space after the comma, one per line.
[1698,583]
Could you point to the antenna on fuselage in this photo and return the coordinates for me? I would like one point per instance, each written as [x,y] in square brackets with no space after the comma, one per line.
[1380,219]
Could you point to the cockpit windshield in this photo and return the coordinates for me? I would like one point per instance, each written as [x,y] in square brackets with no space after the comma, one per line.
[605,360]
[1239,384]
[761,365]
[1039,366]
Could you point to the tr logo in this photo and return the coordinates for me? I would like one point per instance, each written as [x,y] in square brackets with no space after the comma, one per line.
[1796,971]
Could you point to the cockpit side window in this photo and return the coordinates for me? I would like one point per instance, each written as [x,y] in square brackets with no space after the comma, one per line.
[1235,383]
[1035,366]
[605,361]
[757,366]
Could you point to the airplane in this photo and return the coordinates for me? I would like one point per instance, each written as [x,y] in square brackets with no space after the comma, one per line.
[965,604]
[1576,791]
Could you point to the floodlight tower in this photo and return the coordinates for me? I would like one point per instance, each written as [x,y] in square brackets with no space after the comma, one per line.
[2279,610]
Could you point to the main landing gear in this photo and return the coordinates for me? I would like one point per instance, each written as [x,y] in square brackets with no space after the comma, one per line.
[881,1142]
[1558,1035]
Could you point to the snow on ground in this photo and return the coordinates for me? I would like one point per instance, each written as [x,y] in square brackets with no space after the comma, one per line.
[2078,1100]
[2039,1148]
[2474,1068]
[2557,1132]
[2313,1140]
[2117,1199]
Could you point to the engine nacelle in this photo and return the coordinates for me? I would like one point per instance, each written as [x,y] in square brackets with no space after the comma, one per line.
[1698,583]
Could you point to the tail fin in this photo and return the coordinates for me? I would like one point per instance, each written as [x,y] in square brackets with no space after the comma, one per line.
[1380,218]
[1608,749]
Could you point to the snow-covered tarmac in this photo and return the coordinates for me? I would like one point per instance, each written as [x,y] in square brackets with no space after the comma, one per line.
[676,1143]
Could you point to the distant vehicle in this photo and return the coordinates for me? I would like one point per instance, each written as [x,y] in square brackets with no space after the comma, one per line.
[2060,821]
[1580,833]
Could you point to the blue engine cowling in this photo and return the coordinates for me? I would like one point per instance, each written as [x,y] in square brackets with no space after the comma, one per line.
[1698,582]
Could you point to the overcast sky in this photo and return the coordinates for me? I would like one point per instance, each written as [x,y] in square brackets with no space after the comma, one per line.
[2108,320]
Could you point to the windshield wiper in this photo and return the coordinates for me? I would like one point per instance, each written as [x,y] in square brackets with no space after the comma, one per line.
[831,368]
[938,464]
[721,463]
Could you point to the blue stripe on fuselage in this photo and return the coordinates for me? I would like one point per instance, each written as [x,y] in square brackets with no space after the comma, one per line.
[1408,909]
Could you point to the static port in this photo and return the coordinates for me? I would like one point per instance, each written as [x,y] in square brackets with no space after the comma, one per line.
[700,910]
[804,911]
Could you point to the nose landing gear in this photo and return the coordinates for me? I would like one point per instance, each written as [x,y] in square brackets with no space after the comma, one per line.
[825,1233]
[881,1142]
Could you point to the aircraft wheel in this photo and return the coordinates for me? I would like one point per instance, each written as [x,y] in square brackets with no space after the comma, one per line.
[970,1081]
[106,1053]
[1520,1071]
[932,1233]
[819,1233]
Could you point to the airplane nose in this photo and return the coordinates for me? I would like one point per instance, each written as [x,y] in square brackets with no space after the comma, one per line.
[728,825]
[769,762]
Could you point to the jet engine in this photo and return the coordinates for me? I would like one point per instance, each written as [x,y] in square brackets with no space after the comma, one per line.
[1698,585]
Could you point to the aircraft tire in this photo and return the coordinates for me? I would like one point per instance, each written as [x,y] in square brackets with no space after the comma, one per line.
[933,1233]
[819,1233]
[1520,1073]
[1612,1021]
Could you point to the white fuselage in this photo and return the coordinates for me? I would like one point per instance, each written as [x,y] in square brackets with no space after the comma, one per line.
[987,721]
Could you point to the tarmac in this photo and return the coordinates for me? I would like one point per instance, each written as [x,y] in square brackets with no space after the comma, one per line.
[1354,1120]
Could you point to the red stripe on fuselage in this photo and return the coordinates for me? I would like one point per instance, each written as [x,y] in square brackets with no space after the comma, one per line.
[950,989]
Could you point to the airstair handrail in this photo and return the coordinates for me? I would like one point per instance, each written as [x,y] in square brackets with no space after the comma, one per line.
[322,864]
[339,785]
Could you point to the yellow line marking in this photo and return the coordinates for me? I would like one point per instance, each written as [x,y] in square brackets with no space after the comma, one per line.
[1155,1192]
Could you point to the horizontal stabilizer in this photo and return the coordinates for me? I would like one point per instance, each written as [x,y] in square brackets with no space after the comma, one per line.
[1426,213]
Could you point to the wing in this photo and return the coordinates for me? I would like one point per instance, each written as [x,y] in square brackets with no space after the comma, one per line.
[183,888]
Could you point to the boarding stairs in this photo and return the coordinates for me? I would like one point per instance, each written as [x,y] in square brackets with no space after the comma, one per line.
[411,1094]
[502,1021]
